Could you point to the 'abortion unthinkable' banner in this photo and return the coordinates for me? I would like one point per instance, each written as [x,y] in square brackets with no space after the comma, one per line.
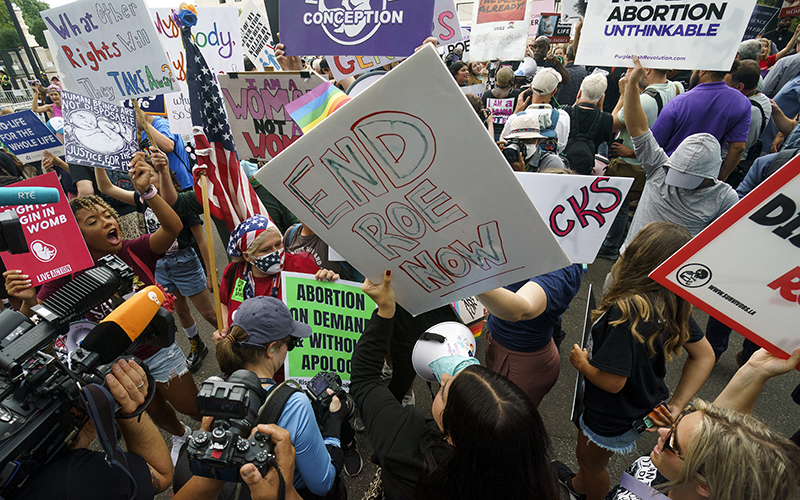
[673,34]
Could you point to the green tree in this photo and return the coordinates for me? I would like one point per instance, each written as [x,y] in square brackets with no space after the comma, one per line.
[30,13]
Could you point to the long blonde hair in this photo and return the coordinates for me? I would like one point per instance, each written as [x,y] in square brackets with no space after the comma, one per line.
[738,458]
[639,298]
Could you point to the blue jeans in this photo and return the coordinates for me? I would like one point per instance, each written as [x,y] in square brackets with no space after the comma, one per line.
[718,334]
[788,99]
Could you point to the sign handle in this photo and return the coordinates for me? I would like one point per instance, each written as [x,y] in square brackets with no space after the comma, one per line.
[212,257]
[142,118]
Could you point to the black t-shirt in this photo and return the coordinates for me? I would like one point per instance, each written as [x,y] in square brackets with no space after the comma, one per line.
[615,350]
[185,238]
[585,117]
[84,475]
[117,178]
[780,39]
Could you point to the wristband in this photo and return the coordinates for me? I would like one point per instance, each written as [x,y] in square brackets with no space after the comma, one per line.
[151,191]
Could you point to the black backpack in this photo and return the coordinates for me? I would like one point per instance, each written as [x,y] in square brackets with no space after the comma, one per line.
[581,148]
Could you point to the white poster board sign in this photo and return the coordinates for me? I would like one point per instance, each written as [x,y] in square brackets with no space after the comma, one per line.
[344,66]
[218,36]
[500,29]
[446,26]
[664,34]
[578,208]
[383,180]
[255,102]
[743,268]
[463,44]
[573,11]
[257,37]
[111,49]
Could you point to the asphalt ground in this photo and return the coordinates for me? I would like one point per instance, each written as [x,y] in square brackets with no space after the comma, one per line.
[774,407]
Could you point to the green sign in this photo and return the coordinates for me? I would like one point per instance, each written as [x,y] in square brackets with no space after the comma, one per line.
[337,313]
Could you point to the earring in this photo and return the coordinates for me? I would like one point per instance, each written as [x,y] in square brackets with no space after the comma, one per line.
[272,350]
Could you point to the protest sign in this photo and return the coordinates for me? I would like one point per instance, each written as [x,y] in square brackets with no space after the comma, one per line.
[463,45]
[446,26]
[550,25]
[742,269]
[54,239]
[384,181]
[537,7]
[98,133]
[476,89]
[501,109]
[390,28]
[586,343]
[255,102]
[759,19]
[664,33]
[218,36]
[790,8]
[578,208]
[24,134]
[62,65]
[152,105]
[112,49]
[500,29]
[274,15]
[573,11]
[344,66]
[256,37]
[471,312]
[337,314]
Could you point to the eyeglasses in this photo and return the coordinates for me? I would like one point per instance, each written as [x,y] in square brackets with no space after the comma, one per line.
[671,439]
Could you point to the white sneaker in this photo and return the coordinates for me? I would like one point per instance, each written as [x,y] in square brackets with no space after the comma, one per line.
[409,400]
[177,444]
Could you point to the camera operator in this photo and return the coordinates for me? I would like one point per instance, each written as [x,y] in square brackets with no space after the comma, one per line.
[82,473]
[531,143]
[262,332]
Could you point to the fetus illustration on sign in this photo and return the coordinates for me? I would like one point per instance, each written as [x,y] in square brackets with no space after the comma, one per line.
[100,134]
[43,251]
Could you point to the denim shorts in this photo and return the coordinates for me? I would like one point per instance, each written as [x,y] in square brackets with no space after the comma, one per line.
[167,364]
[181,271]
[622,444]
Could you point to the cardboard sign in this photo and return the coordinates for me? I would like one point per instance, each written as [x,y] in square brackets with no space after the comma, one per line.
[790,8]
[98,133]
[383,181]
[586,343]
[111,48]
[255,103]
[55,242]
[24,134]
[742,269]
[500,29]
[446,26]
[550,25]
[337,314]
[387,28]
[257,37]
[218,36]
[344,66]
[579,208]
[664,33]
[759,19]
[537,7]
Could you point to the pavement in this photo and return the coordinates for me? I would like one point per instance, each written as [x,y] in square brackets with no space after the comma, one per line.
[774,407]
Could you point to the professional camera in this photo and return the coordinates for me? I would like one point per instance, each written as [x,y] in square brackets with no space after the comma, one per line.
[40,400]
[235,404]
[317,390]
[513,148]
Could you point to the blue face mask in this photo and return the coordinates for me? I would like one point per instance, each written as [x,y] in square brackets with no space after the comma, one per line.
[272,263]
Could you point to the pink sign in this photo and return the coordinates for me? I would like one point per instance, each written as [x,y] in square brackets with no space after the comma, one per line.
[537,8]
[55,242]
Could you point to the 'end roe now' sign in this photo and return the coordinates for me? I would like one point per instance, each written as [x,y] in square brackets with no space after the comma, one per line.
[337,314]
[54,239]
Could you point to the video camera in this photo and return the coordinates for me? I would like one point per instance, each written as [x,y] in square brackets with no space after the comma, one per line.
[40,401]
[238,404]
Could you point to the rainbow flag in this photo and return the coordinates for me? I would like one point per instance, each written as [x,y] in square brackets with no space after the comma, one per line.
[316,105]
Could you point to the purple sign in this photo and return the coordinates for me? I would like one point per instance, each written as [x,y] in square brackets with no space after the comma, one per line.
[355,27]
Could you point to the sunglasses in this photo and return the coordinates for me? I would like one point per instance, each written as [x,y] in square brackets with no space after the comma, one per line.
[671,439]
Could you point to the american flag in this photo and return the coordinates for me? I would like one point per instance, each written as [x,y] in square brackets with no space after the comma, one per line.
[230,195]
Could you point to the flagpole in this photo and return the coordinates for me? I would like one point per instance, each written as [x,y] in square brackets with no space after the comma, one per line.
[145,124]
[212,257]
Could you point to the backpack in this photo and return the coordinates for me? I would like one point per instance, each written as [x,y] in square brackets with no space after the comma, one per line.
[581,148]
[740,171]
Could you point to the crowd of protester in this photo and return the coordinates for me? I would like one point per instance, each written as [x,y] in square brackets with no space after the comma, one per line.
[693,150]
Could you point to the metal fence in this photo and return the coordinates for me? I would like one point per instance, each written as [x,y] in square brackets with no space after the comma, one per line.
[16,99]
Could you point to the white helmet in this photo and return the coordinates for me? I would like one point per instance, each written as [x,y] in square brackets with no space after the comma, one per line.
[449,338]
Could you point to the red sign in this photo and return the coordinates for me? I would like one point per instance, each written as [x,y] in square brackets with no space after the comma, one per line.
[55,242]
